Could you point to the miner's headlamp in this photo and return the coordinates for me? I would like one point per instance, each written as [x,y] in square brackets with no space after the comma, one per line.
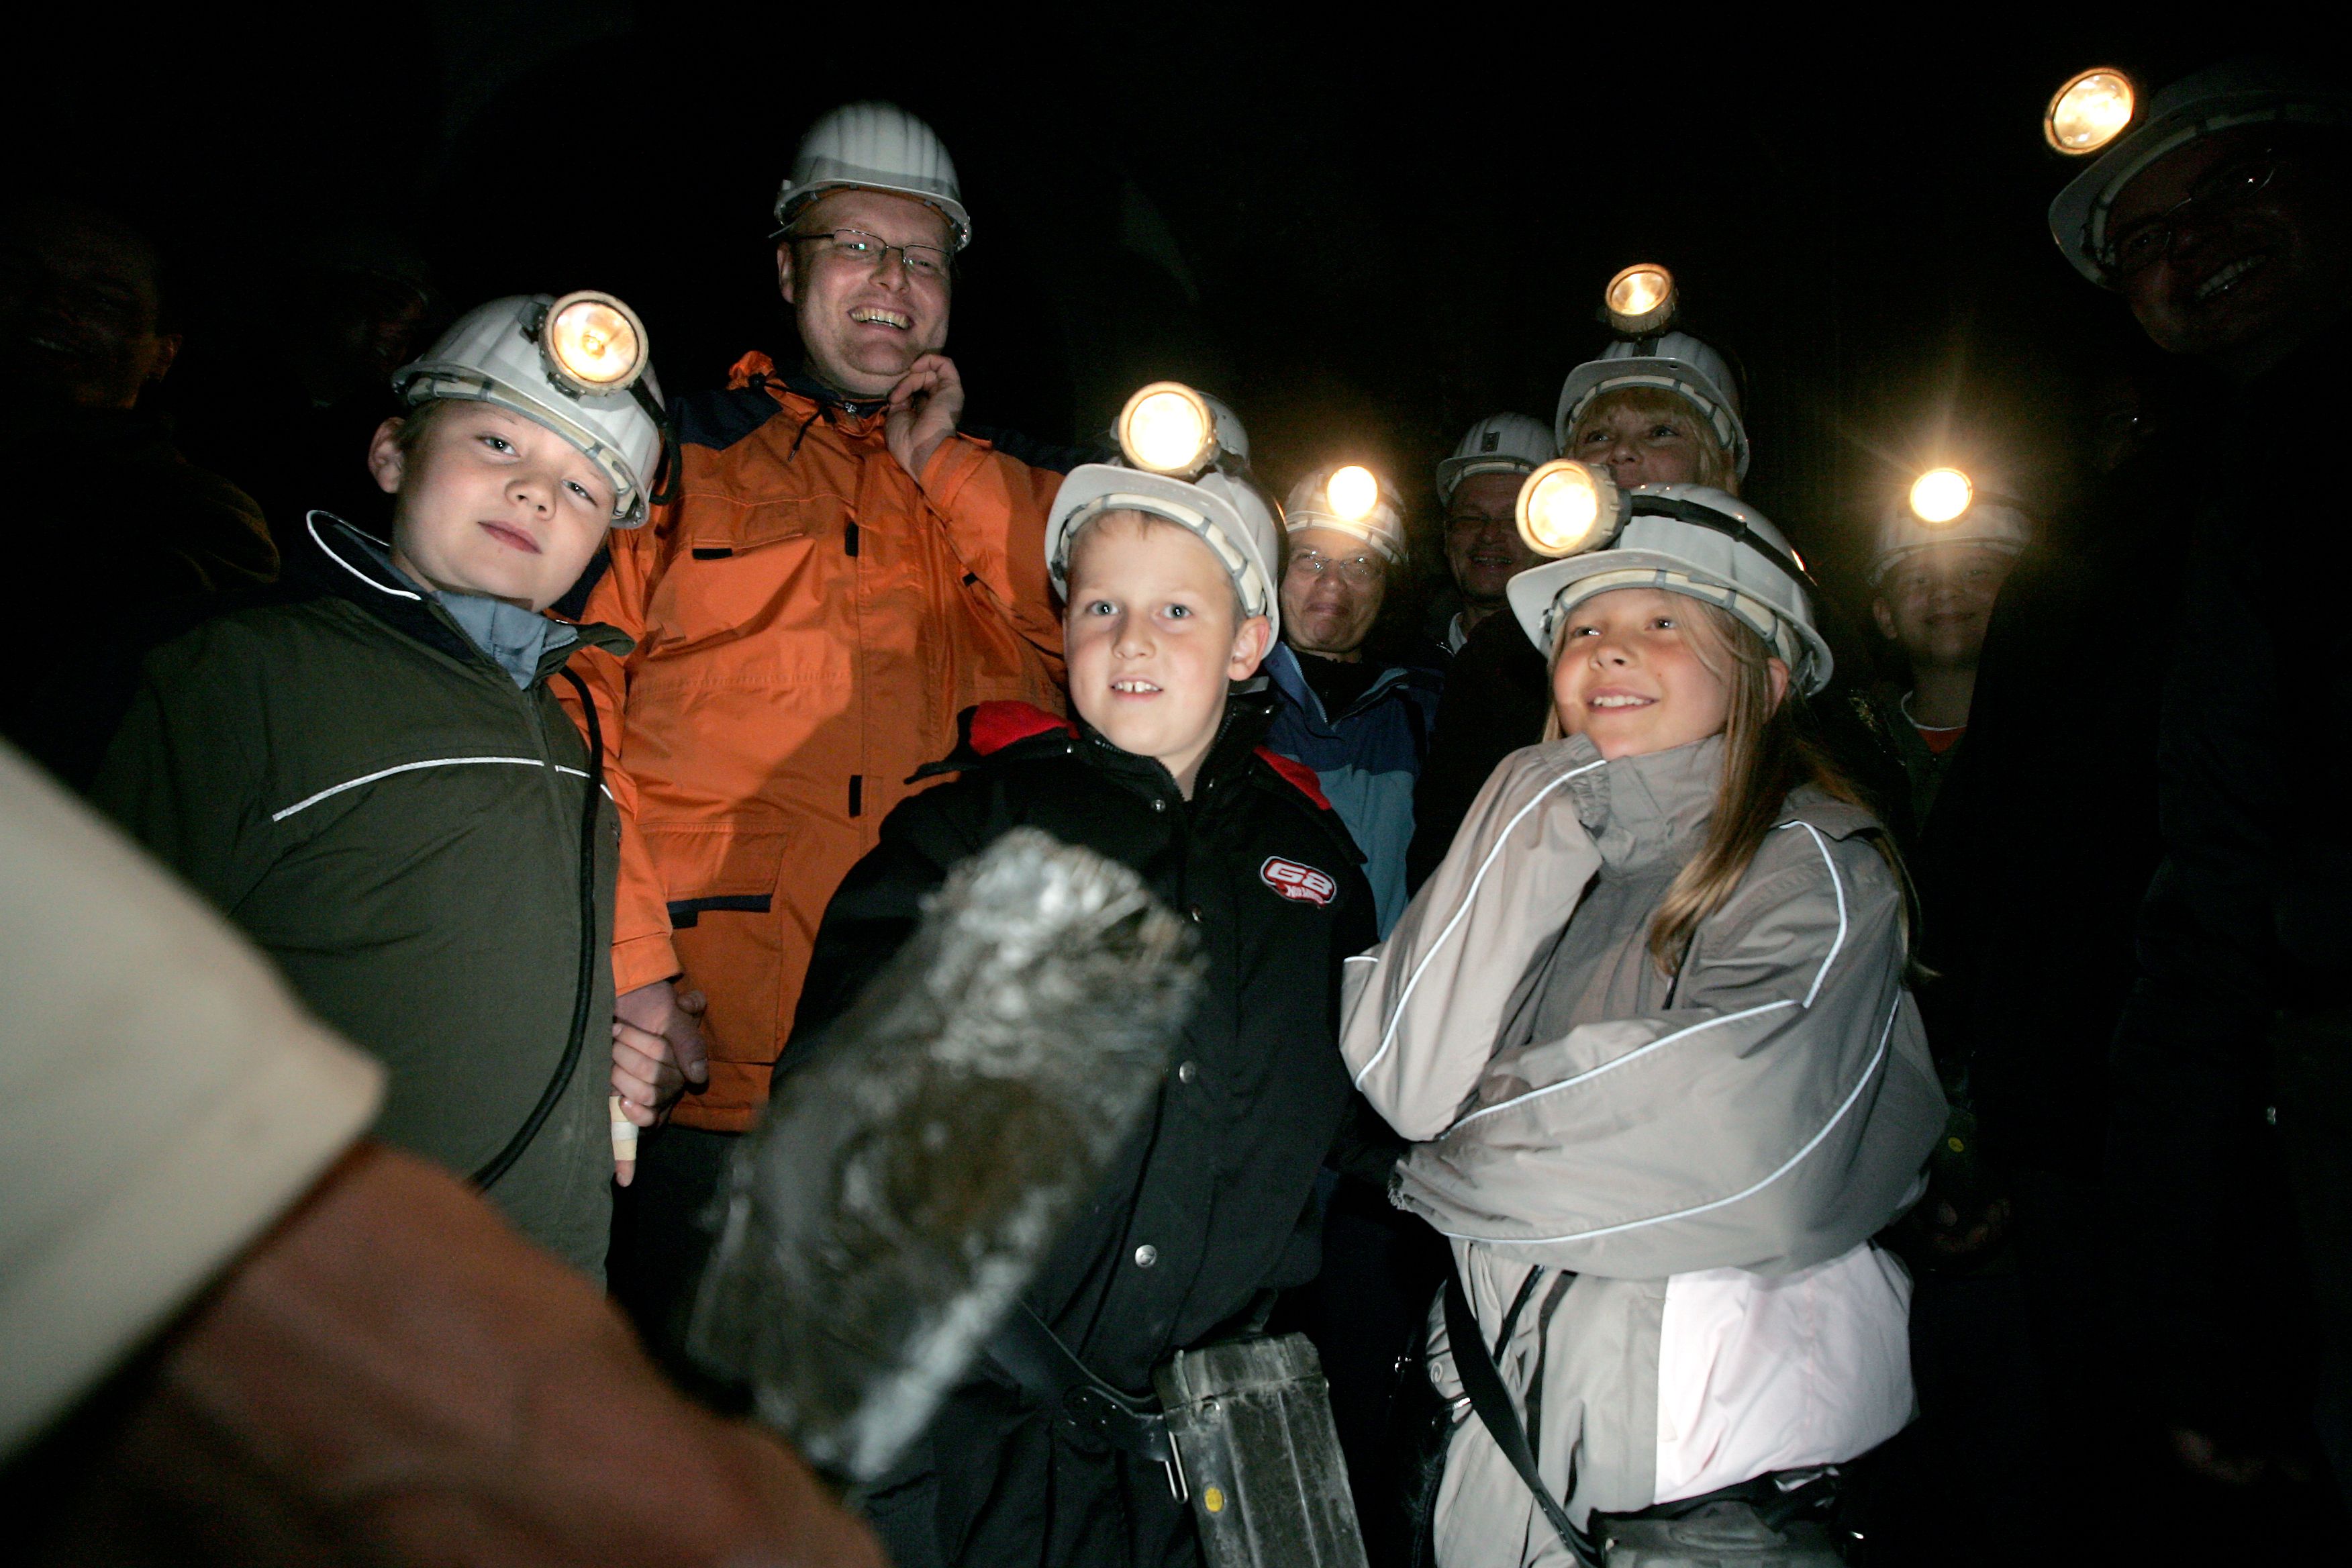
[1168,429]
[593,344]
[1941,496]
[2090,110]
[1639,300]
[1352,493]
[1568,508]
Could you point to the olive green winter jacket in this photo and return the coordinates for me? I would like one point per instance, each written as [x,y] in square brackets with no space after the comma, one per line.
[395,819]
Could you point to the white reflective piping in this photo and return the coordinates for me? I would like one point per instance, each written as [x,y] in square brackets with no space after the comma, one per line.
[1360,958]
[410,768]
[1811,1144]
[1388,1034]
[1630,1056]
[310,522]
[1837,884]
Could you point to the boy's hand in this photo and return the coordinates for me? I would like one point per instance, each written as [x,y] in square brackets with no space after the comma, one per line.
[924,408]
[658,1049]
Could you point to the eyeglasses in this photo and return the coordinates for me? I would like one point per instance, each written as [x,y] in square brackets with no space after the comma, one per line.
[928,262]
[2151,239]
[1356,570]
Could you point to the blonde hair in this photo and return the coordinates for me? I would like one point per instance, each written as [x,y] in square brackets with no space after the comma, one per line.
[1768,752]
[1715,465]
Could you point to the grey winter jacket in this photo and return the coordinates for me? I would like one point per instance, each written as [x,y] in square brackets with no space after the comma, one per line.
[1729,1137]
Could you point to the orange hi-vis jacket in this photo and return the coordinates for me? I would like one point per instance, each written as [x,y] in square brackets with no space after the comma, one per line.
[810,621]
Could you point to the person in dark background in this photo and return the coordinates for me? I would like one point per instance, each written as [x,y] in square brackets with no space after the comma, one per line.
[2175,1227]
[1661,410]
[301,372]
[1934,585]
[2225,222]
[841,574]
[103,495]
[1479,493]
[1357,717]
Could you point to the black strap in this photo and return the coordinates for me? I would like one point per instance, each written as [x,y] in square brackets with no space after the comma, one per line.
[591,951]
[1492,1401]
[1043,1365]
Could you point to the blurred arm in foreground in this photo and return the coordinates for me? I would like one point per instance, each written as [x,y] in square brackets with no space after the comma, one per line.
[236,1337]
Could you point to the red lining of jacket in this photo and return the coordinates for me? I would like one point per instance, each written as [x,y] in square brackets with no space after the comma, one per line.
[1298,774]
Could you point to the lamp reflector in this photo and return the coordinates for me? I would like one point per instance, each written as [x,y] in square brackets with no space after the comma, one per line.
[1566,507]
[2091,111]
[1167,428]
[595,342]
[1639,298]
[1940,495]
[1352,492]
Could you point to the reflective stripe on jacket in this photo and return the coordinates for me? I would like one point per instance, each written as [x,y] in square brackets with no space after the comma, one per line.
[1696,1162]
[810,621]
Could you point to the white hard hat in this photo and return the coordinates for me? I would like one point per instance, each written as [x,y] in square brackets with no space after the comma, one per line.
[581,366]
[1223,506]
[875,147]
[1349,499]
[1989,521]
[1697,540]
[1499,444]
[2257,90]
[1676,362]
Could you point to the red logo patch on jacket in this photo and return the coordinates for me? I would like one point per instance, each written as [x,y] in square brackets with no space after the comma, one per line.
[1303,884]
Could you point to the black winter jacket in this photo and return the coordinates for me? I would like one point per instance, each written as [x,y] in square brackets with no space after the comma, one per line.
[1212,1205]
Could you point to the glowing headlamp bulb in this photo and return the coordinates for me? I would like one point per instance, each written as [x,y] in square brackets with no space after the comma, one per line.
[1639,298]
[1940,495]
[1167,428]
[2091,111]
[1352,492]
[1566,507]
[595,342]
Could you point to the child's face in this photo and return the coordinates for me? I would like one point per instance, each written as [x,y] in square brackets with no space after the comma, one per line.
[1631,674]
[492,503]
[1151,639]
[1936,602]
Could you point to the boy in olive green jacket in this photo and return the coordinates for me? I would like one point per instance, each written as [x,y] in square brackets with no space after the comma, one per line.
[370,774]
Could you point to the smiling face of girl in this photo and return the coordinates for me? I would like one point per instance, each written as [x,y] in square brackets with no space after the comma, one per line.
[1641,670]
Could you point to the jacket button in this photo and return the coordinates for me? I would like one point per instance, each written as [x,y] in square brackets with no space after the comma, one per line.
[1158,804]
[1195,912]
[1146,1256]
[1187,1071]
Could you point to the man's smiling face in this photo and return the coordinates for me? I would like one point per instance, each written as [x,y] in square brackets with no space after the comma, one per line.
[2254,258]
[864,320]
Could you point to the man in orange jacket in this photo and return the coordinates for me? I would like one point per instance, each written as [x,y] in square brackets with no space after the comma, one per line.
[842,572]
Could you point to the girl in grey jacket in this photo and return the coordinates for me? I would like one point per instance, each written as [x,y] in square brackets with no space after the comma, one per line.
[1648,1026]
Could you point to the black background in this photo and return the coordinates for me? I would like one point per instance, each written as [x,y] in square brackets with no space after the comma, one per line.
[1364,234]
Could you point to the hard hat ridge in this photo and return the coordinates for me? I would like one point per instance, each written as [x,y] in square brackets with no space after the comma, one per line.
[1700,542]
[874,146]
[1499,444]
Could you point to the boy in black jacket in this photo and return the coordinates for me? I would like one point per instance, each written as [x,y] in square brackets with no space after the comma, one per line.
[1211,1209]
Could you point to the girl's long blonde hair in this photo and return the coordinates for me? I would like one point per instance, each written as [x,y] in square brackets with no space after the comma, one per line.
[1769,750]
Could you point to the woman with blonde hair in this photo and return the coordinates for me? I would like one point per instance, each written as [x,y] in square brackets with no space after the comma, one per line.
[1657,410]
[1648,1028]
